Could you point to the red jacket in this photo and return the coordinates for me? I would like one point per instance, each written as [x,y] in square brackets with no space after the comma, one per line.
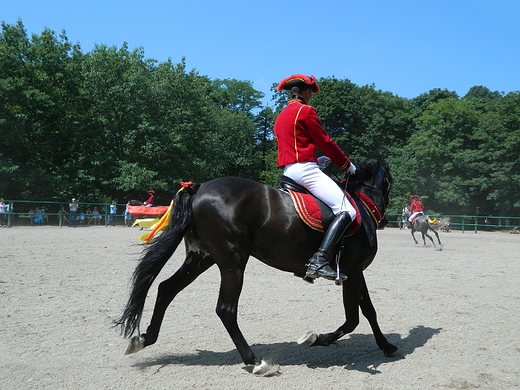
[298,132]
[150,200]
[416,205]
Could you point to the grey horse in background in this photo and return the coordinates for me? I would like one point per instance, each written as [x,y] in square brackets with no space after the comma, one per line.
[421,224]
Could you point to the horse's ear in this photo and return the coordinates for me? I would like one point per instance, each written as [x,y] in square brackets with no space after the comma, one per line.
[388,167]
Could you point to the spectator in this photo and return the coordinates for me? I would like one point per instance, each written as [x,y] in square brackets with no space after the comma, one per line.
[95,216]
[38,219]
[3,213]
[45,217]
[488,226]
[73,211]
[113,212]
[88,213]
[64,216]
[128,216]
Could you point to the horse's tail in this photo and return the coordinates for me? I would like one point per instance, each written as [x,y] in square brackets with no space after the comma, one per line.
[440,223]
[155,257]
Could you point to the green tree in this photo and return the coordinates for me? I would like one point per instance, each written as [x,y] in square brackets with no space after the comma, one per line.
[39,83]
[265,149]
[236,95]
[446,145]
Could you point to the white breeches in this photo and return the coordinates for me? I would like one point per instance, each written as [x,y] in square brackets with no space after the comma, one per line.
[414,215]
[321,186]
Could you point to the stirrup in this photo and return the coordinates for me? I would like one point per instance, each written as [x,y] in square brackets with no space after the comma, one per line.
[315,273]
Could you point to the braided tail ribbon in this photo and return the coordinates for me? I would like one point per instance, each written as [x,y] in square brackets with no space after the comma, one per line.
[165,219]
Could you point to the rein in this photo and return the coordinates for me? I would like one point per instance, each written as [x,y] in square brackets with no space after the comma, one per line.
[372,208]
[370,205]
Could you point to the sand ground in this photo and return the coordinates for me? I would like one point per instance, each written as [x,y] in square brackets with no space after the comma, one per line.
[454,314]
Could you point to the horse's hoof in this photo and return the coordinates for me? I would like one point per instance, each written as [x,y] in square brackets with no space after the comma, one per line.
[135,345]
[308,339]
[391,351]
[266,369]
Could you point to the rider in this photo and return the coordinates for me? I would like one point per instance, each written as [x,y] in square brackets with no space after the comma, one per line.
[298,132]
[151,199]
[416,208]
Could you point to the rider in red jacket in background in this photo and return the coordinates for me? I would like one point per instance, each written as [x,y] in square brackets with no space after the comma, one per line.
[416,208]
[151,199]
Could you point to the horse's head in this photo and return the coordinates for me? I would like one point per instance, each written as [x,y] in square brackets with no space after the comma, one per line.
[375,181]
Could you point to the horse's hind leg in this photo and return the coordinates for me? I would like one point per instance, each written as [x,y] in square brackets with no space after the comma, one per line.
[437,235]
[351,297]
[430,237]
[369,312]
[193,266]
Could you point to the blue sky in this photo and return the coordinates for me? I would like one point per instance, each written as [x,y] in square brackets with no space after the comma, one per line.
[406,47]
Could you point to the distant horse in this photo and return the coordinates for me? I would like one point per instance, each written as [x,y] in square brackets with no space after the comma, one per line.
[421,224]
[225,221]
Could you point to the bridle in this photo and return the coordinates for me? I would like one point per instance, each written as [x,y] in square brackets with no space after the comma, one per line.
[378,213]
[384,197]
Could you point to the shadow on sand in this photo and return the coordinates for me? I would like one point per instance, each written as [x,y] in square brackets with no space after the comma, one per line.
[357,352]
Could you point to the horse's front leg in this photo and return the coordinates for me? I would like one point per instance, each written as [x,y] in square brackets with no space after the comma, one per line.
[413,236]
[193,266]
[351,297]
[230,288]
[368,310]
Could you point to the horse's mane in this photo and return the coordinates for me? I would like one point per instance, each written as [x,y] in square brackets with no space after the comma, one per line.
[365,172]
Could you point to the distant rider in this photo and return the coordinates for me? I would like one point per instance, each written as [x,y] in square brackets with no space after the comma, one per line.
[416,208]
[149,202]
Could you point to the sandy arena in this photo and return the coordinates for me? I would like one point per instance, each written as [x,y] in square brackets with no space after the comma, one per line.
[454,314]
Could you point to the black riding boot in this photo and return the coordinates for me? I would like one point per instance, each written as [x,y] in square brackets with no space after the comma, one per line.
[319,263]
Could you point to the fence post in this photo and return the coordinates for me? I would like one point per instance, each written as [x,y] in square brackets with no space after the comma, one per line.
[476,224]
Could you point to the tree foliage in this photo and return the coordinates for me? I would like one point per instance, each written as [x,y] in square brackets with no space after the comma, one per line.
[110,124]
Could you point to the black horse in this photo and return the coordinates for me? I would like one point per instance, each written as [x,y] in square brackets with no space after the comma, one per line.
[421,224]
[225,221]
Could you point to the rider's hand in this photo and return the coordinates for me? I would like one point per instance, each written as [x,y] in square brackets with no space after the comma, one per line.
[351,169]
[323,161]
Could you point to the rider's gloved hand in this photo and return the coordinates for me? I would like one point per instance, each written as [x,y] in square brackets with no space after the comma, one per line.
[323,161]
[351,169]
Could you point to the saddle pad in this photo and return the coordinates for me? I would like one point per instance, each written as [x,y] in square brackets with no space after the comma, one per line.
[309,211]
